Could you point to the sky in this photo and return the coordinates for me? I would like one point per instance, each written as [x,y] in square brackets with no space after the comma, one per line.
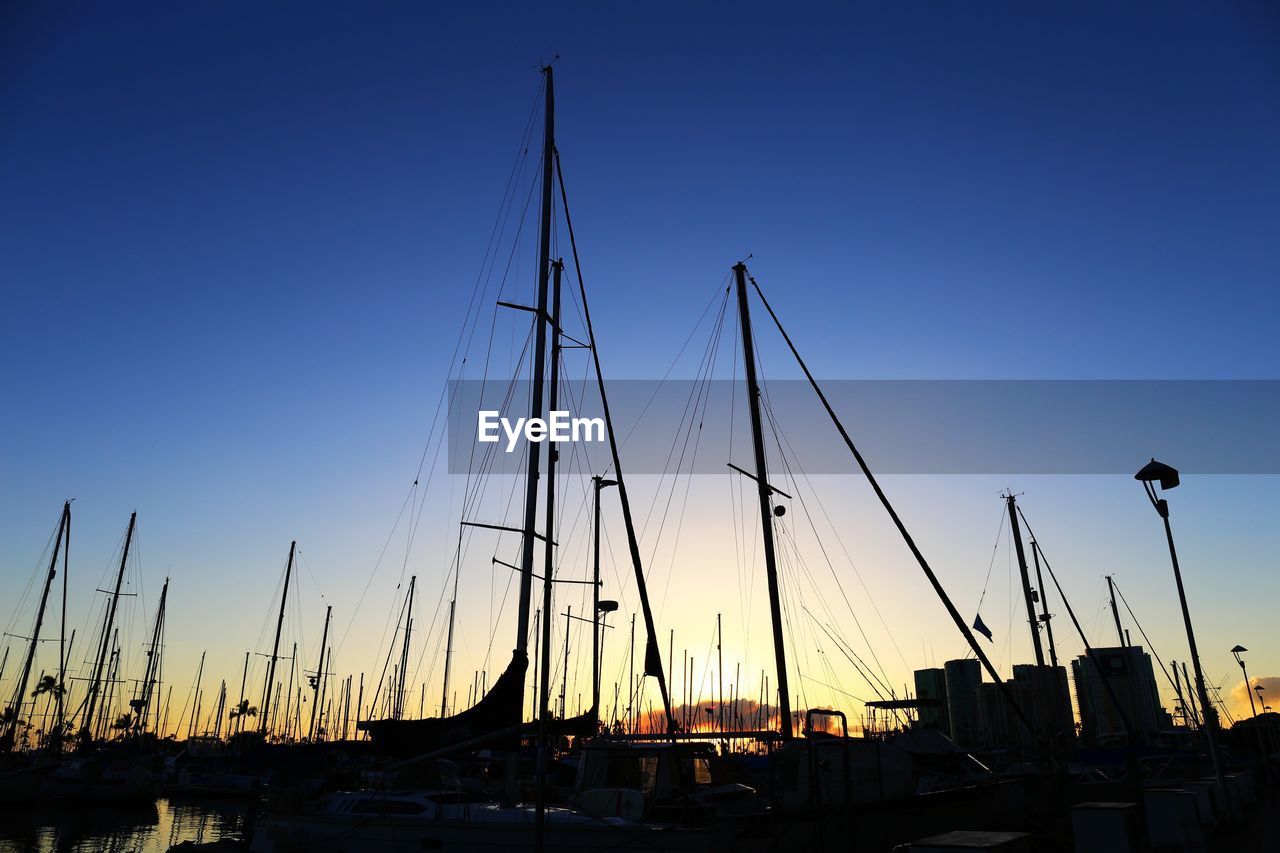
[239,245]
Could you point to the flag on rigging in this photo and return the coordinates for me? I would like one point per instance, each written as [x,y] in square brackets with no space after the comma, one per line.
[981,627]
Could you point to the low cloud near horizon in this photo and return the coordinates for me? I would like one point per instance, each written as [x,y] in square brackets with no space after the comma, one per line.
[1239,696]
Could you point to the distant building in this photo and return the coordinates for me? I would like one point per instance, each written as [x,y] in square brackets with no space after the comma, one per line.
[1132,679]
[1048,701]
[1041,693]
[963,677]
[931,690]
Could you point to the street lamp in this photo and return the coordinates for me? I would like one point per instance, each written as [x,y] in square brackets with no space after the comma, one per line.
[1158,475]
[597,606]
[1236,651]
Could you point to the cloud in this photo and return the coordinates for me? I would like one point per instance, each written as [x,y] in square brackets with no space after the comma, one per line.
[1238,700]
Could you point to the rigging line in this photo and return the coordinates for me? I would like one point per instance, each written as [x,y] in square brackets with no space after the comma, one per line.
[377,564]
[39,574]
[476,485]
[661,382]
[692,413]
[504,211]
[1106,679]
[1000,525]
[836,689]
[504,208]
[698,411]
[960,623]
[780,436]
[1150,645]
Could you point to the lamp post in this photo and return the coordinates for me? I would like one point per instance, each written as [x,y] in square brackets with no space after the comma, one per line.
[1247,687]
[597,606]
[1166,477]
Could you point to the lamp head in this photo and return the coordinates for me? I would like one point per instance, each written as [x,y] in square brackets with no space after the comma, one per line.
[607,606]
[1158,472]
[602,483]
[1238,649]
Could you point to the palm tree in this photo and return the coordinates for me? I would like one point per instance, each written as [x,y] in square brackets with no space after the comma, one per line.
[244,709]
[48,684]
[10,718]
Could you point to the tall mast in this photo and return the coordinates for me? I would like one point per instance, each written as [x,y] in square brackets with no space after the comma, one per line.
[549,553]
[275,648]
[315,692]
[404,652]
[244,705]
[600,483]
[564,683]
[153,665]
[720,673]
[595,608]
[288,693]
[217,717]
[62,633]
[195,709]
[548,565]
[95,685]
[448,646]
[1026,578]
[19,696]
[652,654]
[538,366]
[1045,616]
[1115,611]
[765,491]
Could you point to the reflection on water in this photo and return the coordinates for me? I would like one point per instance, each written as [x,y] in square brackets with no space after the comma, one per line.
[132,829]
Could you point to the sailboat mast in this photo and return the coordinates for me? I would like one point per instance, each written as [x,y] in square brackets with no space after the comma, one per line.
[549,553]
[20,694]
[195,709]
[95,685]
[1115,611]
[275,648]
[548,568]
[62,633]
[764,490]
[564,682]
[538,365]
[599,483]
[404,652]
[1026,578]
[315,693]
[448,655]
[1045,616]
[153,664]
[652,654]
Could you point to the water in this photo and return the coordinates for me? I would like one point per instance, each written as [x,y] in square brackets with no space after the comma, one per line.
[133,829]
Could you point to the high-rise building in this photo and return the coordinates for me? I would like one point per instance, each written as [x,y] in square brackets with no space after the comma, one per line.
[1048,701]
[931,692]
[1041,694]
[963,678]
[1132,680]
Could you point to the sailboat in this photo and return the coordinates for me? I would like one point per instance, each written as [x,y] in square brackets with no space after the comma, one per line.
[444,816]
[497,716]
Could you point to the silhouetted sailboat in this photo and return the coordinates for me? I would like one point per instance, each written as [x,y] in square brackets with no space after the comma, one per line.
[499,712]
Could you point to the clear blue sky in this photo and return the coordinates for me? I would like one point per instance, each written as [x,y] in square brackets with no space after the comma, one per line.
[237,241]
